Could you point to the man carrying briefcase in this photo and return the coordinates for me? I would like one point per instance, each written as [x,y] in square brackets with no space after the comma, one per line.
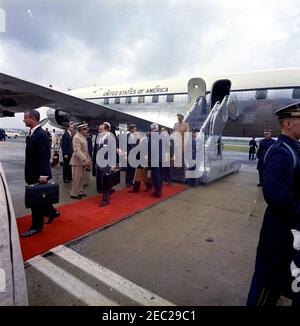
[37,169]
[105,164]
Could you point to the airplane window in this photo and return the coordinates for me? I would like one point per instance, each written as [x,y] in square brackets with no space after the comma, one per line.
[141,99]
[106,101]
[296,92]
[117,100]
[155,98]
[128,100]
[170,98]
[261,94]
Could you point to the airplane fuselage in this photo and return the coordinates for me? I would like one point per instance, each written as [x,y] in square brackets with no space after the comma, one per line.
[257,96]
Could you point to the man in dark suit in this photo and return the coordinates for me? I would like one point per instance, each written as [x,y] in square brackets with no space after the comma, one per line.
[67,150]
[155,160]
[37,169]
[105,140]
[131,143]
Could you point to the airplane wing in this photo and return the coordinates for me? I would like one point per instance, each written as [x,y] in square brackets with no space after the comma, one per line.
[17,95]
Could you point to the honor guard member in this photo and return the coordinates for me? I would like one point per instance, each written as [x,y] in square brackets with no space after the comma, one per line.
[67,151]
[264,145]
[281,189]
[37,169]
[80,161]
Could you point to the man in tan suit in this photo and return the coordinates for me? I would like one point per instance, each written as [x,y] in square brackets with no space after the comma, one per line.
[80,161]
[179,138]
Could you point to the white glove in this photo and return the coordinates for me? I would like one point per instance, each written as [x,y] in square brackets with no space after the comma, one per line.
[294,269]
[296,243]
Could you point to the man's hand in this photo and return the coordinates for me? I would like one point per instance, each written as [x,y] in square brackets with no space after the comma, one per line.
[86,163]
[66,157]
[43,179]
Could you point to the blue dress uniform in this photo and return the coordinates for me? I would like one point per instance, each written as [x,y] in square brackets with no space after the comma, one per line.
[264,145]
[281,189]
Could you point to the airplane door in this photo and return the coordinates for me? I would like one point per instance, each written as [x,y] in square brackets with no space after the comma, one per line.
[196,87]
[219,90]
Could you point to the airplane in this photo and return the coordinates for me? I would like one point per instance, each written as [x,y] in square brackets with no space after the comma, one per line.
[253,97]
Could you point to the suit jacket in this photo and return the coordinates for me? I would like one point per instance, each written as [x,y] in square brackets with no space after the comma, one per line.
[80,148]
[37,156]
[66,144]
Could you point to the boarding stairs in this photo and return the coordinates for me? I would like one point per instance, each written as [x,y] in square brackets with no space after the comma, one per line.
[210,164]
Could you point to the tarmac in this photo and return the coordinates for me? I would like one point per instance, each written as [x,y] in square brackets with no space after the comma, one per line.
[195,249]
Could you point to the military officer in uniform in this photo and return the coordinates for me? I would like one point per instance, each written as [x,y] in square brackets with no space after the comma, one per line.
[264,145]
[80,161]
[180,137]
[281,189]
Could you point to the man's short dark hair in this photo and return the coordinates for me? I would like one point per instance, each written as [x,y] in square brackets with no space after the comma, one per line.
[34,114]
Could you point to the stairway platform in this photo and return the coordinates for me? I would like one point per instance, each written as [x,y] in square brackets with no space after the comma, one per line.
[216,170]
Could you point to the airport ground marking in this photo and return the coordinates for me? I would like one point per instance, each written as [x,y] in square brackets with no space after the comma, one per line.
[110,278]
[71,284]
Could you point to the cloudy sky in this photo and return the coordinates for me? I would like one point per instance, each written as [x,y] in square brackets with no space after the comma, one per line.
[72,43]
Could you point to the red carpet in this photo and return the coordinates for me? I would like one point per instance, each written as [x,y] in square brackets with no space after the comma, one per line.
[83,216]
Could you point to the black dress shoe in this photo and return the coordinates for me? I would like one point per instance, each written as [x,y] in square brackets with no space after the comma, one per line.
[30,233]
[76,197]
[112,191]
[103,204]
[52,217]
[153,194]
[82,195]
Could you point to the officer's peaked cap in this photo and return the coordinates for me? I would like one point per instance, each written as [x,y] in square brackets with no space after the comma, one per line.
[154,126]
[107,124]
[81,125]
[131,126]
[268,130]
[290,111]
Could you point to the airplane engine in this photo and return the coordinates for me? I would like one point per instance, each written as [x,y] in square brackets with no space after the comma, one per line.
[59,118]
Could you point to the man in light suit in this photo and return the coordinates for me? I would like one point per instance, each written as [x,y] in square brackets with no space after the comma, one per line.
[37,169]
[80,161]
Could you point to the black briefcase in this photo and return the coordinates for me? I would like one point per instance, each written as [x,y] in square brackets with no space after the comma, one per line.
[111,179]
[41,194]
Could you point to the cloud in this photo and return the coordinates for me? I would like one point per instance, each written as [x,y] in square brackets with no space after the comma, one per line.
[73,43]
